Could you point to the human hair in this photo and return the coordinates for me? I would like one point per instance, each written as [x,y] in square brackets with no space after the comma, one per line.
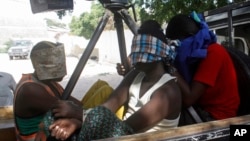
[181,26]
[153,28]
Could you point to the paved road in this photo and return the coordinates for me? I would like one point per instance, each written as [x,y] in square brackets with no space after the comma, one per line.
[91,72]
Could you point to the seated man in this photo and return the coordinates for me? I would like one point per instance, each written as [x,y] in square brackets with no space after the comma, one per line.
[7,87]
[206,73]
[149,90]
[37,92]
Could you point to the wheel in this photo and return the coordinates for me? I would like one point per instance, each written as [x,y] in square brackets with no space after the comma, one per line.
[11,57]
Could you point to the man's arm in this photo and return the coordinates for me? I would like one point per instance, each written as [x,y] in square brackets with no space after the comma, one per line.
[190,94]
[158,108]
[115,101]
[12,83]
[75,100]
[205,76]
[33,98]
[120,95]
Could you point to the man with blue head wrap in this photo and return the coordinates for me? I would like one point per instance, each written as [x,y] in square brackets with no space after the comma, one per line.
[206,73]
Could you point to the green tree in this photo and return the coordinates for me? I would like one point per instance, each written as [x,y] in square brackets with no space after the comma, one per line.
[87,22]
[7,45]
[163,10]
[159,10]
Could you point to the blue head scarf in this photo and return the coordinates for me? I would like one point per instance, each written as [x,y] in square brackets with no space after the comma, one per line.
[193,48]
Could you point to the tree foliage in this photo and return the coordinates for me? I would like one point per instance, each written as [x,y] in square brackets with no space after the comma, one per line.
[163,10]
[159,10]
[87,22]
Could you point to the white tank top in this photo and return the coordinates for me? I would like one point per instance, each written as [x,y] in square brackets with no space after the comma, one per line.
[135,103]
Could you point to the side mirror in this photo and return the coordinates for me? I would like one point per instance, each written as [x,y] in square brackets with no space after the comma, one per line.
[39,6]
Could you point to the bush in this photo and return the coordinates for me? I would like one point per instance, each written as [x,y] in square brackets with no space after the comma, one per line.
[8,43]
[3,49]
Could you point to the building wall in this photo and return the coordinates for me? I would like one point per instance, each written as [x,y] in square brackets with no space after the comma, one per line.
[108,45]
[17,21]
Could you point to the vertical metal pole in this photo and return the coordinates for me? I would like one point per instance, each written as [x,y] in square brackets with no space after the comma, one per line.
[121,40]
[85,56]
[129,21]
[230,28]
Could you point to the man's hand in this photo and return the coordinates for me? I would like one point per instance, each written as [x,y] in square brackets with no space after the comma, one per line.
[67,109]
[120,69]
[63,128]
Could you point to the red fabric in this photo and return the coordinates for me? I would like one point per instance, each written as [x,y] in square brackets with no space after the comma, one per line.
[221,99]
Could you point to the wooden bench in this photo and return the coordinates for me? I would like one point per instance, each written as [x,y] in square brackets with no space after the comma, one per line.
[206,131]
[7,130]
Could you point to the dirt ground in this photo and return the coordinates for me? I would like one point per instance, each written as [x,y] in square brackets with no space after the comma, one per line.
[84,83]
[91,72]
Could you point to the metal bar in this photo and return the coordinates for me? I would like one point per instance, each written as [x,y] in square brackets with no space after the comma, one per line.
[129,21]
[121,40]
[230,29]
[194,114]
[227,7]
[85,56]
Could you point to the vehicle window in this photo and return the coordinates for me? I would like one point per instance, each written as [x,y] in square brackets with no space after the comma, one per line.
[22,43]
[240,36]
[239,44]
[222,37]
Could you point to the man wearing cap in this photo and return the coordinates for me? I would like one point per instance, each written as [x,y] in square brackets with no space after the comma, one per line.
[149,91]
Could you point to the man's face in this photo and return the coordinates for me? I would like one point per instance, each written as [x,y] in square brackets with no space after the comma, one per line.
[144,67]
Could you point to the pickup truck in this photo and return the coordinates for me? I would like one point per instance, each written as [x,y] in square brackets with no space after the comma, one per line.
[232,26]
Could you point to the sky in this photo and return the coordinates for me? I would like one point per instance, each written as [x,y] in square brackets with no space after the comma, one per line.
[22,8]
